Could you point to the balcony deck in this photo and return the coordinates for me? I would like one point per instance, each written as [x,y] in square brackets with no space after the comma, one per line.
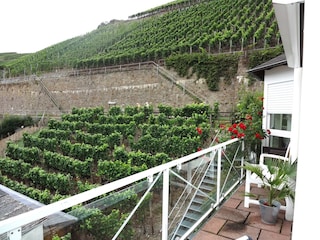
[233,221]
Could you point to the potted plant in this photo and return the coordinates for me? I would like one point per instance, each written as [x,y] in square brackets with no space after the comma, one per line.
[277,178]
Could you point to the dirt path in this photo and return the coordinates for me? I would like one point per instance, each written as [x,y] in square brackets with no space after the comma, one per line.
[15,137]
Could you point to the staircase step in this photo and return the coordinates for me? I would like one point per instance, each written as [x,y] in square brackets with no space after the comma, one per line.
[206,188]
[195,207]
[187,223]
[203,194]
[211,175]
[211,172]
[193,216]
[199,199]
[208,180]
[180,234]
[192,235]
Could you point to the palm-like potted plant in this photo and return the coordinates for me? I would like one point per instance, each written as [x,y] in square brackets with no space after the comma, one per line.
[278,178]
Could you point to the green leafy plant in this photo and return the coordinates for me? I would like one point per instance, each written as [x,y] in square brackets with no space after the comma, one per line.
[277,179]
[65,237]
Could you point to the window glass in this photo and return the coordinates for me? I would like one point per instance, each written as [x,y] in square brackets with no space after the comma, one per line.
[280,121]
[278,142]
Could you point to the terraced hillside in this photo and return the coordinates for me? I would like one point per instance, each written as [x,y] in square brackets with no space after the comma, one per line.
[183,26]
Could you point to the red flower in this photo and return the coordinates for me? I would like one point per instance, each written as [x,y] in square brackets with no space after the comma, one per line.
[242,126]
[240,135]
[235,131]
[230,129]
[199,130]
[268,131]
[234,125]
[258,136]
[199,149]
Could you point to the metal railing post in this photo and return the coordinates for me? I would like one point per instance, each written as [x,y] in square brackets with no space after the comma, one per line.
[242,158]
[219,174]
[165,204]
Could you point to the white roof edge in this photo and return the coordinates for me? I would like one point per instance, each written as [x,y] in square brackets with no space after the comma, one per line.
[287,1]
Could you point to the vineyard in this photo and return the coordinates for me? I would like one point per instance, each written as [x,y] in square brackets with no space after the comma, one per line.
[189,26]
[89,147]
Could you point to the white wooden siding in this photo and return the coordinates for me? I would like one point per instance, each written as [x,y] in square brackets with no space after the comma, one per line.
[280,97]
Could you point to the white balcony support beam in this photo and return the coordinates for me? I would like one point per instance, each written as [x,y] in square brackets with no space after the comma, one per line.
[219,174]
[165,204]
[242,159]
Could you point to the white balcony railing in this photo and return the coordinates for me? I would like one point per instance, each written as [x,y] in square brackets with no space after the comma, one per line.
[176,182]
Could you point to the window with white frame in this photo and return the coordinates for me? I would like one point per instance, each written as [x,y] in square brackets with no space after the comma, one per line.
[280,122]
[280,127]
[278,107]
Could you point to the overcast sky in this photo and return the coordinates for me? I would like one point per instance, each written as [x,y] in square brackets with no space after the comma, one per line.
[31,25]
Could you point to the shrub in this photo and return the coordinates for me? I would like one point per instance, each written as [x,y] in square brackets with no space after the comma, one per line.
[10,124]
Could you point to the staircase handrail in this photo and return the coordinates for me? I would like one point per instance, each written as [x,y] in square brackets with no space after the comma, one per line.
[174,80]
[48,93]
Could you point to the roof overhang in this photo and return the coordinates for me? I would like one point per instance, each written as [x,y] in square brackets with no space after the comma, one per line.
[289,14]
[259,71]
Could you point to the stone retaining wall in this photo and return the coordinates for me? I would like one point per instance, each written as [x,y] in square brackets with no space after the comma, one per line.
[133,87]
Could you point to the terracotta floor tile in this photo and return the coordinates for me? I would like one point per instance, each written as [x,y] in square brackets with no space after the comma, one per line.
[254,220]
[239,194]
[286,228]
[232,214]
[233,221]
[214,225]
[252,208]
[202,235]
[267,235]
[232,203]
[235,230]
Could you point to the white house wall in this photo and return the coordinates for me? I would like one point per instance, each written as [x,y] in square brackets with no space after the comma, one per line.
[278,92]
